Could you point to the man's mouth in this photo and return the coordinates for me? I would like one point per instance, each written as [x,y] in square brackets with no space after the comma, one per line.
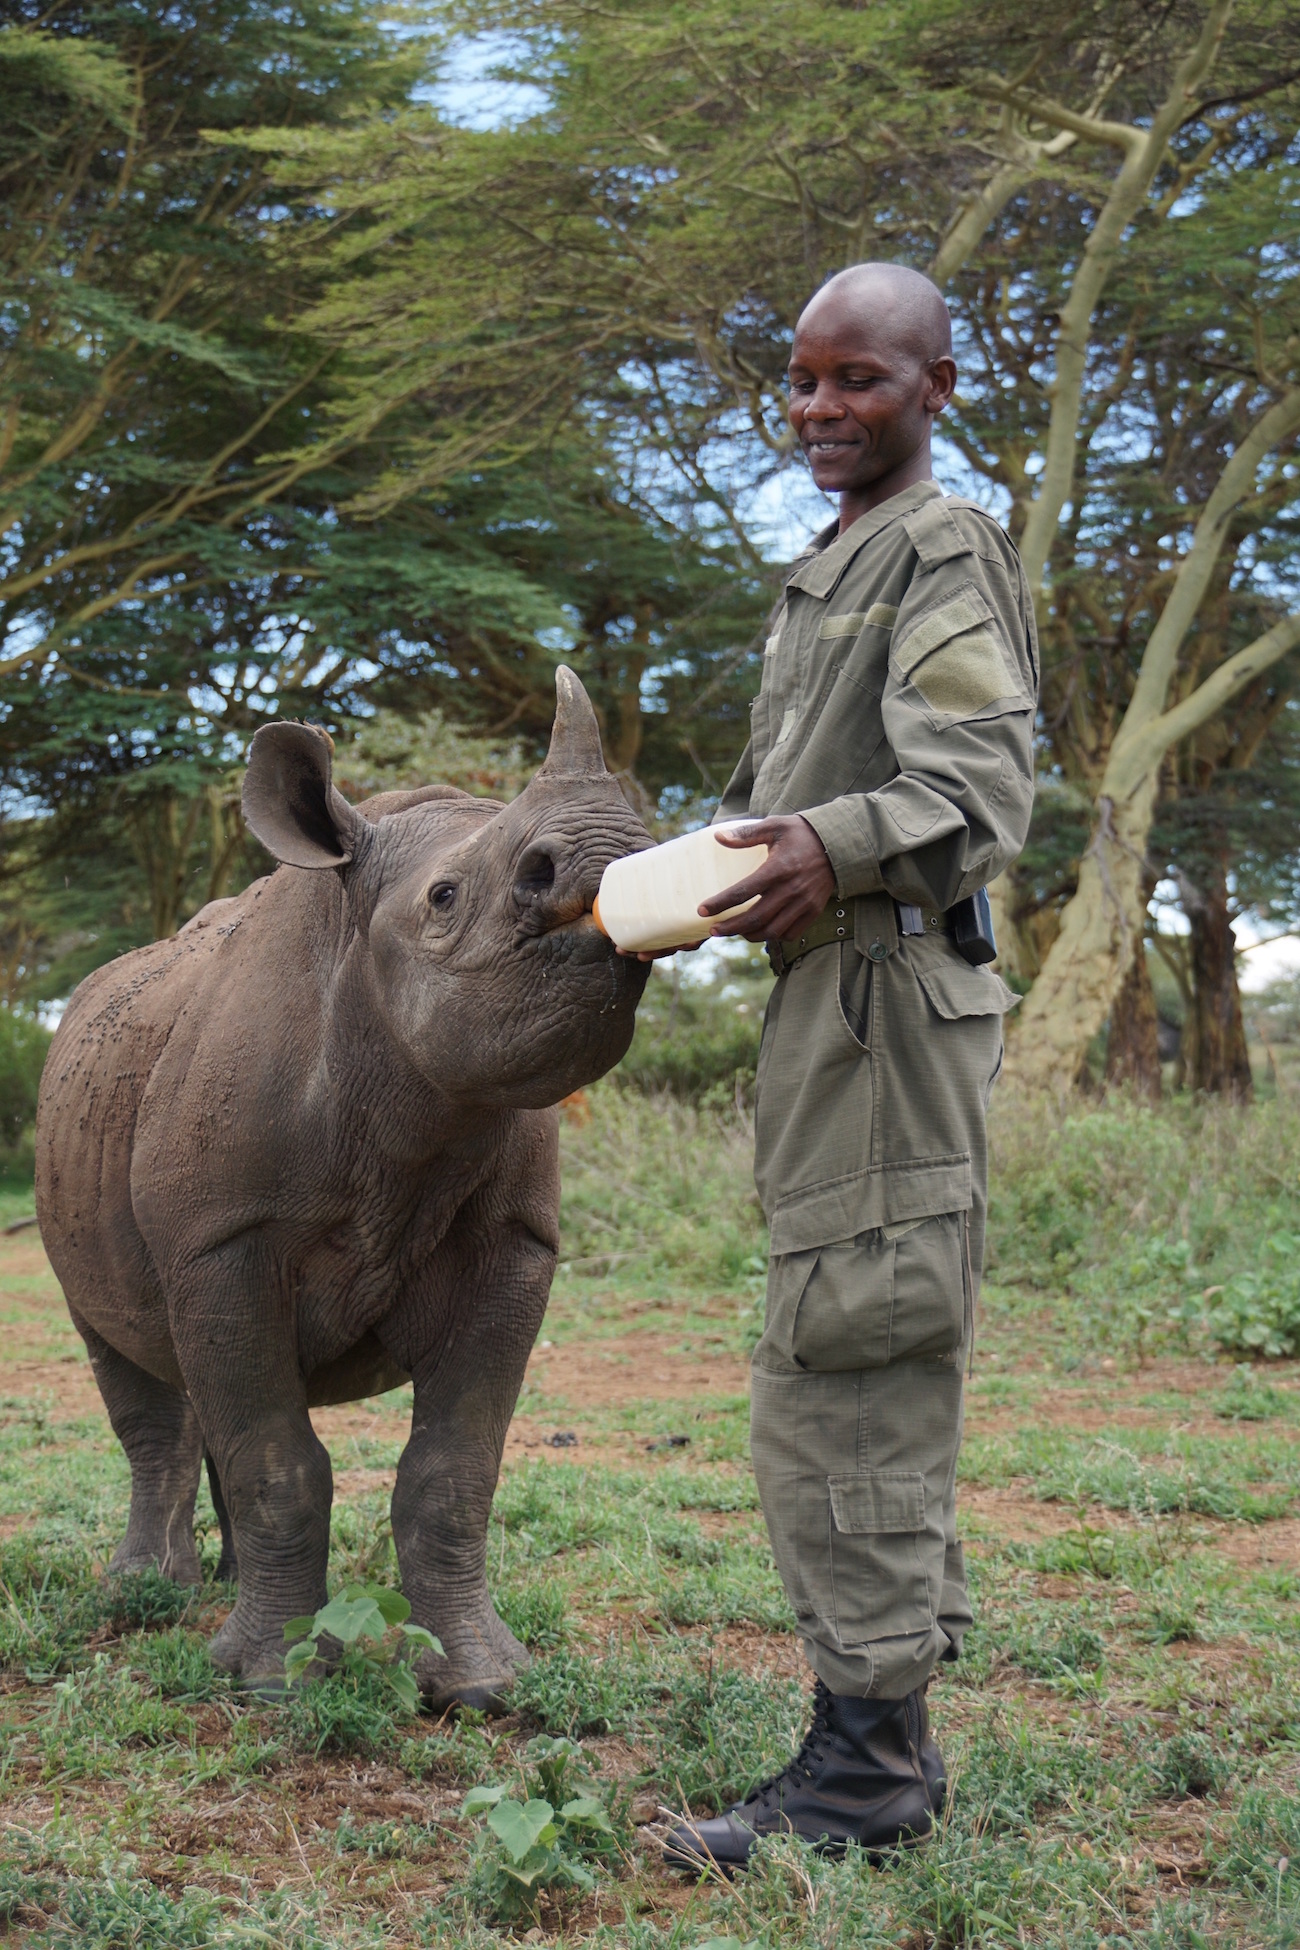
[827,447]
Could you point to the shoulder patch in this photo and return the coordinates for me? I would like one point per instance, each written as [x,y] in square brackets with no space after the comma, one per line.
[935,535]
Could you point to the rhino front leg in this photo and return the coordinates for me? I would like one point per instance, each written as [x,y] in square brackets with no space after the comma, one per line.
[465,1395]
[159,1431]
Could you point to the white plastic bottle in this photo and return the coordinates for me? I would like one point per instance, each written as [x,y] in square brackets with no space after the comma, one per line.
[650,901]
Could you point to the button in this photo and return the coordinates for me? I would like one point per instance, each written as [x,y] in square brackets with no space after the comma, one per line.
[877,951]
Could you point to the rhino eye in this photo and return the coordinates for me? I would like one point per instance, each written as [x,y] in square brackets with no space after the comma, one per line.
[442,896]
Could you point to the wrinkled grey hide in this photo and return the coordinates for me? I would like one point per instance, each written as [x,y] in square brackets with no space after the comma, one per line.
[304,1151]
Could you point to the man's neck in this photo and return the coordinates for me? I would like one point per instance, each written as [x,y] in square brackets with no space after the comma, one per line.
[856,502]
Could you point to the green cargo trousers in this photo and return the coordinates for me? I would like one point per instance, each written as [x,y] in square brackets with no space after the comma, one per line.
[874,1079]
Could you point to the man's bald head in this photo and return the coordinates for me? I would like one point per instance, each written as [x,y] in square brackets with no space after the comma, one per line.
[871,369]
[902,307]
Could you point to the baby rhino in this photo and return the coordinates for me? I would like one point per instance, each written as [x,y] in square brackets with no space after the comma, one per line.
[305,1151]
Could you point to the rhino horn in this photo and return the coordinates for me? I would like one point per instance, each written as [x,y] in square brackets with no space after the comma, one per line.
[575,751]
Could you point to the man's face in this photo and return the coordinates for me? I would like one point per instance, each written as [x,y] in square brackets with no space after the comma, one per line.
[861,401]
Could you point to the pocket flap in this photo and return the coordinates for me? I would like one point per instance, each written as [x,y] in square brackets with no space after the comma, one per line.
[956,989]
[883,1195]
[967,610]
[877,1502]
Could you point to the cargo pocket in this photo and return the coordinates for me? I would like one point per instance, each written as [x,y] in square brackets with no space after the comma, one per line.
[842,1317]
[897,1293]
[879,1585]
[930,1316]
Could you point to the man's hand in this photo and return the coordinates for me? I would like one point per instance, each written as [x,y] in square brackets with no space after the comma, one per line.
[794,882]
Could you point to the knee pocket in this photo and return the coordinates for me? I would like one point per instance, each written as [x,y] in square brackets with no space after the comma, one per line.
[882,1566]
[888,1295]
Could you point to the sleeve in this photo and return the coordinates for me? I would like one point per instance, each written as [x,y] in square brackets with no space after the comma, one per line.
[958,709]
[734,803]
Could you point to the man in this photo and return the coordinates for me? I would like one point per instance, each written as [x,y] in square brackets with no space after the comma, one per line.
[890,768]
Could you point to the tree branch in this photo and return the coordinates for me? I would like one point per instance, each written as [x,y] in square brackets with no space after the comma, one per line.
[1129,192]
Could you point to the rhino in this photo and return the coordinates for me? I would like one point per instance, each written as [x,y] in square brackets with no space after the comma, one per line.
[307,1150]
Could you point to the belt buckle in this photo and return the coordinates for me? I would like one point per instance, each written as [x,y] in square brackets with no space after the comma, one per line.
[910,919]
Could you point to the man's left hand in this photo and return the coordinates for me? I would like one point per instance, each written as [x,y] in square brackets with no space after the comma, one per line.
[794,883]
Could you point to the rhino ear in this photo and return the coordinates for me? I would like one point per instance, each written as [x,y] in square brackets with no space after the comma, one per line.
[290,801]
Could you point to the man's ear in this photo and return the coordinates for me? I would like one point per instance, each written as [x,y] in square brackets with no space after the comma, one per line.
[290,801]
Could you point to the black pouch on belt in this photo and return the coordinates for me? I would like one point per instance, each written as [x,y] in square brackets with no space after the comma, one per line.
[972,929]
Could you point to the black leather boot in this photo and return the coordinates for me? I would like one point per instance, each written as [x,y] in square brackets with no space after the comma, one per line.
[863,1774]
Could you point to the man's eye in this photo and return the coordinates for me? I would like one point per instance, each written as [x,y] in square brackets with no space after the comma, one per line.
[442,896]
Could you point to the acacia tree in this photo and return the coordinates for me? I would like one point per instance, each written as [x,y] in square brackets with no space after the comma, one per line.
[1077,183]
[194,531]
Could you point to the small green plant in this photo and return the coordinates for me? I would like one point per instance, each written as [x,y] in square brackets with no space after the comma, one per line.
[538,1848]
[372,1626]
[1248,1399]
[382,1841]
[144,1599]
[1190,1764]
[1257,1311]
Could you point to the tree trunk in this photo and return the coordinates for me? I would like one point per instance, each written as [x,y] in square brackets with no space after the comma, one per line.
[162,836]
[1133,1047]
[1101,929]
[1220,1061]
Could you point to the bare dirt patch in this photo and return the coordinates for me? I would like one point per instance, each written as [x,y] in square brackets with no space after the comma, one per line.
[635,1367]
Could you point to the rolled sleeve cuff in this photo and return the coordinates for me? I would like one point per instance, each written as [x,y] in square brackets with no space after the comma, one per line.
[840,827]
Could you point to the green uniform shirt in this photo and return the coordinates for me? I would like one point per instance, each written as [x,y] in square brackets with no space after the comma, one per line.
[896,714]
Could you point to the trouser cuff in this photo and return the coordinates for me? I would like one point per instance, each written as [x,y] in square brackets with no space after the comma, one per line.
[883,1669]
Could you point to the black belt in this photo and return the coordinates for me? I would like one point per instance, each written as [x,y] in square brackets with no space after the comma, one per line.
[836,922]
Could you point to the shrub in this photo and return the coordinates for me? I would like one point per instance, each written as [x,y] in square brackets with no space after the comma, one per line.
[1257,1311]
[697,1036]
[23,1045]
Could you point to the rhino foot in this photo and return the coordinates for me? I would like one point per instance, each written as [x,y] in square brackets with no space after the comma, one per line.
[477,1670]
[255,1659]
[173,1561]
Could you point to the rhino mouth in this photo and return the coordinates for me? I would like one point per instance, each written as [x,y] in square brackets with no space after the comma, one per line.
[573,939]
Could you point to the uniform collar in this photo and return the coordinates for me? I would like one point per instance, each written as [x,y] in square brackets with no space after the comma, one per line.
[827,556]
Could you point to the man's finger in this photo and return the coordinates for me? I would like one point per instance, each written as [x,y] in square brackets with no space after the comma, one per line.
[774,919]
[761,832]
[758,882]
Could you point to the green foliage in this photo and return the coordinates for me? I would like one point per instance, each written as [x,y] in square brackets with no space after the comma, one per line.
[1189,1763]
[538,1847]
[1247,1398]
[1168,1228]
[143,1599]
[1257,1311]
[1077,1650]
[371,1625]
[698,1030]
[660,1192]
[23,1044]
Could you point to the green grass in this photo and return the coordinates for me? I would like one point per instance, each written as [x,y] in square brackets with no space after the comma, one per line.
[1122,1734]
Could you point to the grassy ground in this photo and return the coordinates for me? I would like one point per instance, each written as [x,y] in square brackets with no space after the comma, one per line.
[1123,1736]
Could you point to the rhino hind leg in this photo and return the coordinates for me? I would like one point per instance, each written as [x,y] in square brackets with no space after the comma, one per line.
[157,1427]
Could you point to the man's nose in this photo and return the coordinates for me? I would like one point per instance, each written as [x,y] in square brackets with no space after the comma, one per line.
[824,406]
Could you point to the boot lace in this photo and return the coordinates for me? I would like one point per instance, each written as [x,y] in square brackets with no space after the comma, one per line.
[803,1765]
